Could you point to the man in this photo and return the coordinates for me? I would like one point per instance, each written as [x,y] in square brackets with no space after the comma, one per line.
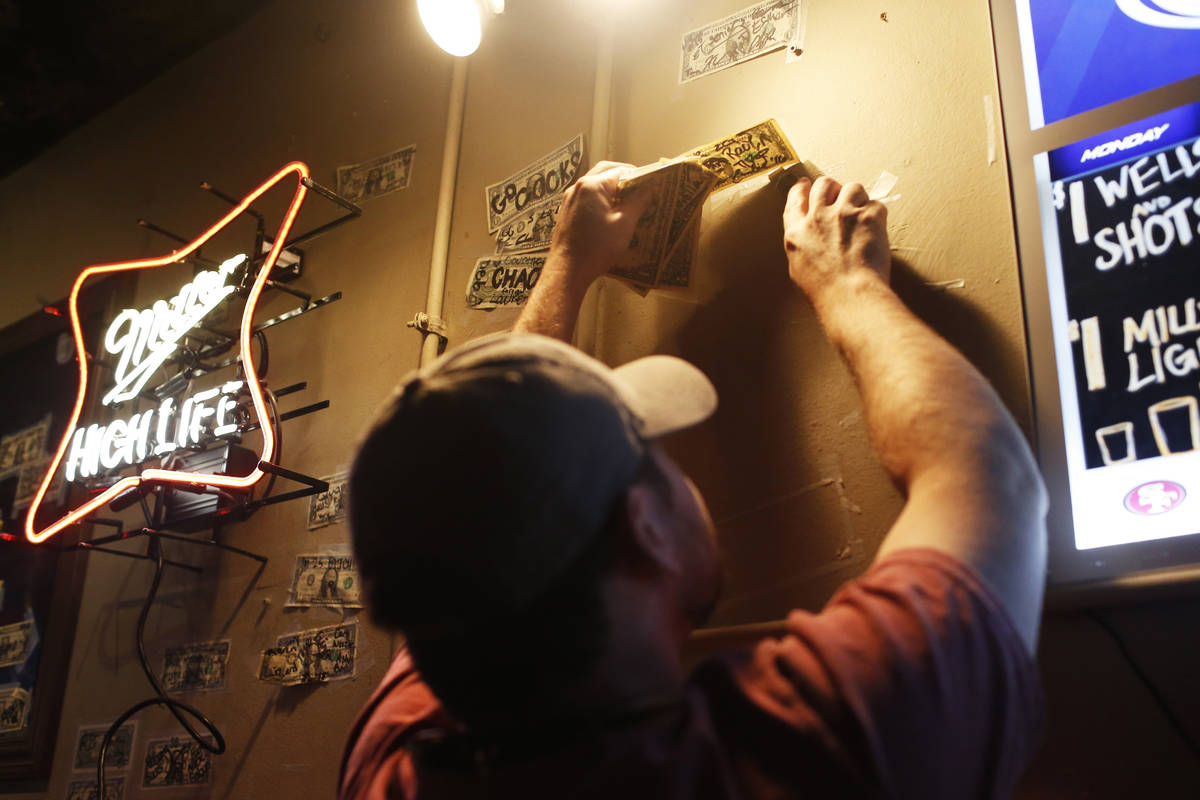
[514,516]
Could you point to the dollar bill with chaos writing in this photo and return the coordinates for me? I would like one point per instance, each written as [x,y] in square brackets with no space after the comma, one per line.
[529,231]
[15,641]
[760,29]
[745,154]
[114,789]
[325,580]
[14,708]
[377,177]
[198,666]
[312,656]
[177,761]
[23,446]
[547,177]
[503,281]
[329,506]
[120,747]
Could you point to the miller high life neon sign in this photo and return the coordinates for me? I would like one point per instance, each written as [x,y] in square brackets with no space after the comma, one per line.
[142,340]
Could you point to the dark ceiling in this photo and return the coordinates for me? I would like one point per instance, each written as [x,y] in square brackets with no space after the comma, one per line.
[64,61]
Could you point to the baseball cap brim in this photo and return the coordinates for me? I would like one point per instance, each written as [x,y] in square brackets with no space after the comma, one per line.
[665,393]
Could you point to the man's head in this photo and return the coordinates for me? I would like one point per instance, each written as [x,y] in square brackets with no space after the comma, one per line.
[504,482]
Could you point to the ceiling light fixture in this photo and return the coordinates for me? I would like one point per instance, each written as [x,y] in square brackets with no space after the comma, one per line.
[457,25]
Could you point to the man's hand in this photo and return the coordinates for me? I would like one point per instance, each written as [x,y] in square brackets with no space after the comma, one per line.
[593,231]
[831,232]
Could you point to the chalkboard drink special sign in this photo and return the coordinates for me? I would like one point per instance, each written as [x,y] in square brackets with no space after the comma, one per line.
[1125,242]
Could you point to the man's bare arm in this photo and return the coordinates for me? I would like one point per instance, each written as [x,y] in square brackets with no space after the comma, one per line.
[592,232]
[973,490]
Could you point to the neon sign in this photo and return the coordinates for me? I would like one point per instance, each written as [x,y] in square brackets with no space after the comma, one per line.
[144,339]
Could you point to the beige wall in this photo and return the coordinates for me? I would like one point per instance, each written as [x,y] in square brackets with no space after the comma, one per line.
[786,465]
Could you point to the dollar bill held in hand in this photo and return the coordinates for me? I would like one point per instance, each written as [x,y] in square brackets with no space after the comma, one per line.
[14,708]
[325,580]
[503,281]
[15,642]
[760,29]
[377,177]
[195,667]
[529,231]
[677,269]
[177,761]
[547,177]
[120,747]
[312,656]
[745,154]
[329,506]
[114,789]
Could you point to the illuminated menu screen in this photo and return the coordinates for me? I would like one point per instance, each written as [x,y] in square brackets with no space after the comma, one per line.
[1083,54]
[1121,225]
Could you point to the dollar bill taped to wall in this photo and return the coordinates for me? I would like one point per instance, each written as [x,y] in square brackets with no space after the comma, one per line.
[176,761]
[329,506]
[313,656]
[760,29]
[114,789]
[325,580]
[547,177]
[379,176]
[197,666]
[503,281]
[16,640]
[529,231]
[14,708]
[120,747]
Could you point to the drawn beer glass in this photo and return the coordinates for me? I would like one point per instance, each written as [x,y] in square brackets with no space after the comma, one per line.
[1118,438]
[1176,424]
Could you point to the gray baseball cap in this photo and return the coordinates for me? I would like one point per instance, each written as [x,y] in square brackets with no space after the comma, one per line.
[490,470]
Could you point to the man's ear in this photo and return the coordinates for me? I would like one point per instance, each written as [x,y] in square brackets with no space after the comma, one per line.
[649,523]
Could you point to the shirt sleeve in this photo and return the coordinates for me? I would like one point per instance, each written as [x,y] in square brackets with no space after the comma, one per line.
[914,674]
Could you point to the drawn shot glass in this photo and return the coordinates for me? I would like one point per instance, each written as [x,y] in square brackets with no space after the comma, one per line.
[1176,424]
[1116,443]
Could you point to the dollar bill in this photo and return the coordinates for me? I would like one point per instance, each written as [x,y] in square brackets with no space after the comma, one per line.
[14,708]
[745,154]
[529,231]
[312,656]
[377,177]
[547,177]
[329,506]
[23,446]
[120,748]
[177,761]
[325,580]
[762,28]
[503,281]
[15,641]
[677,270]
[30,477]
[196,666]
[114,789]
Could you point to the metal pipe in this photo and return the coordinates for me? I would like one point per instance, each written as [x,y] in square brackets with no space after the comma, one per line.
[599,146]
[445,208]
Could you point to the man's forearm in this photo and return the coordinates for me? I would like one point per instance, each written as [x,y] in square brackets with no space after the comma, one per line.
[553,305]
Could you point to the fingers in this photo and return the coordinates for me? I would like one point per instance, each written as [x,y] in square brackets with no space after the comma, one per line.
[824,192]
[798,196]
[854,194]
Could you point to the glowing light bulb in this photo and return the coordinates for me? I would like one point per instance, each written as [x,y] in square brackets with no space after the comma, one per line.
[455,25]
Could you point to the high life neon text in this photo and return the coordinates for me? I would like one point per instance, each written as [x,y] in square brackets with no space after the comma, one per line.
[157,432]
[143,340]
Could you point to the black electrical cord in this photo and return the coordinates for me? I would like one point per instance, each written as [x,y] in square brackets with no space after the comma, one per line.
[176,707]
[1158,697]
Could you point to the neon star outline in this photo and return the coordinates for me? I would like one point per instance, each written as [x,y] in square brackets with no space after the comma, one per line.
[251,374]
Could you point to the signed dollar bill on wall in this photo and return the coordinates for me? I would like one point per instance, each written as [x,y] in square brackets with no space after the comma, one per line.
[743,155]
[329,506]
[325,580]
[114,789]
[120,747]
[503,281]
[547,177]
[377,177]
[195,667]
[762,28]
[312,656]
[177,761]
[24,446]
[14,708]
[529,231]
[15,642]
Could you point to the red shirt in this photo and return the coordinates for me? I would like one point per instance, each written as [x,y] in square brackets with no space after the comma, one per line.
[911,683]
